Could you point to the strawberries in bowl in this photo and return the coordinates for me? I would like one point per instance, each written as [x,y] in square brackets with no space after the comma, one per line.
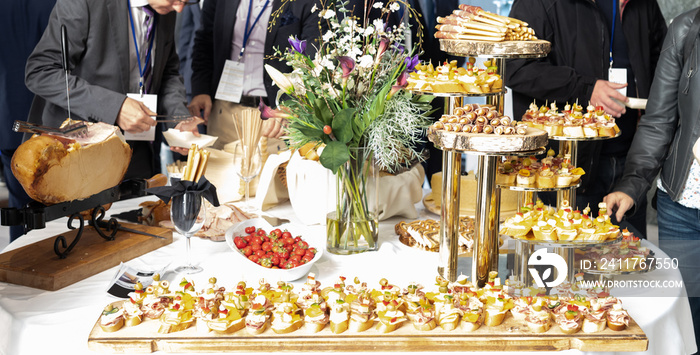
[275,253]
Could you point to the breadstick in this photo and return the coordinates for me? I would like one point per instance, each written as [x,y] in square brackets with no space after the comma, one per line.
[190,160]
[195,165]
[202,165]
[465,30]
[452,35]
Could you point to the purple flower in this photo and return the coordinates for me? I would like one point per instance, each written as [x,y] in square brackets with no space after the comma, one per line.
[383,45]
[347,64]
[401,82]
[268,112]
[411,63]
[299,46]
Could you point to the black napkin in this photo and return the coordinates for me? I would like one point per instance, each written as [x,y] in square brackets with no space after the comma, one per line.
[178,187]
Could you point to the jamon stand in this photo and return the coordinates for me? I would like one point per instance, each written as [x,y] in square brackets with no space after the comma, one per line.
[104,244]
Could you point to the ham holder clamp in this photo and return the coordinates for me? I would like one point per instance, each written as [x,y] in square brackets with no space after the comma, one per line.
[35,215]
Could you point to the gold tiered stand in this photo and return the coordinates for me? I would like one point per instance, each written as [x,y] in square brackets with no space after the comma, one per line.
[488,148]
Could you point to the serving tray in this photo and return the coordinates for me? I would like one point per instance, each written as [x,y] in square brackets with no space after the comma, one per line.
[495,144]
[511,335]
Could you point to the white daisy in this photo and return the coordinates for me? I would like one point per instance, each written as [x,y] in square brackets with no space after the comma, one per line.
[378,5]
[327,14]
[366,61]
[394,7]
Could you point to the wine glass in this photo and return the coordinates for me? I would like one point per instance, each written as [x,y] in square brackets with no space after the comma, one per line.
[247,162]
[188,213]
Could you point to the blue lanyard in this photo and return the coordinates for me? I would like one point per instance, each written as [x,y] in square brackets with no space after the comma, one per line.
[136,45]
[612,33]
[248,31]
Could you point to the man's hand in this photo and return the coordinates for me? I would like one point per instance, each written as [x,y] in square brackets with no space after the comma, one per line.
[187,126]
[603,94]
[135,117]
[619,201]
[200,103]
[273,128]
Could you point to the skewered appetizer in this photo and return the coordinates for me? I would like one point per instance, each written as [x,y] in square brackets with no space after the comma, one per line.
[539,222]
[362,307]
[179,314]
[549,172]
[448,78]
[451,305]
[419,310]
[258,318]
[286,317]
[133,315]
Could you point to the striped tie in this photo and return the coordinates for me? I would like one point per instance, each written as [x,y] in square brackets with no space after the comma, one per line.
[148,25]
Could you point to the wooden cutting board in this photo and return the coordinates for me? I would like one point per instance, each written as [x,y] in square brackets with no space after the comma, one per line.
[36,265]
[511,335]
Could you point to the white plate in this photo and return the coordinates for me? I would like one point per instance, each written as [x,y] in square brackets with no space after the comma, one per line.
[273,274]
[177,138]
[640,104]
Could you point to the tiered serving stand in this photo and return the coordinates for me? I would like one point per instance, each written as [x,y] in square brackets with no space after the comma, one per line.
[525,247]
[488,148]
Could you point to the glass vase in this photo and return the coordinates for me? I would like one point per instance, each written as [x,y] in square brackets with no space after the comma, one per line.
[354,226]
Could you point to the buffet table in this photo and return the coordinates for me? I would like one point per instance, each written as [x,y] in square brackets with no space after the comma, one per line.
[34,321]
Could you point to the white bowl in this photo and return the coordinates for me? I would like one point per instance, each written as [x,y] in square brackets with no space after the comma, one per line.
[273,274]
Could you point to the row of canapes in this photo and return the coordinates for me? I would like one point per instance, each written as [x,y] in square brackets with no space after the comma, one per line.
[572,122]
[357,308]
[448,78]
[539,222]
[475,118]
[550,172]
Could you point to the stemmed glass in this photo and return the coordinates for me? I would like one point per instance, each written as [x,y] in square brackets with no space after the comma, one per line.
[188,213]
[247,162]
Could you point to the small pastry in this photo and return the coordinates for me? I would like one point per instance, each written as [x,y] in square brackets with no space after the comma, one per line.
[525,178]
[545,178]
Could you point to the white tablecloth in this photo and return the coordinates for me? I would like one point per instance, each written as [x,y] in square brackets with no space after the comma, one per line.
[34,321]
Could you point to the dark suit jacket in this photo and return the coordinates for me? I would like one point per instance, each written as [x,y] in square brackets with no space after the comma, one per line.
[99,38]
[22,22]
[189,23]
[212,45]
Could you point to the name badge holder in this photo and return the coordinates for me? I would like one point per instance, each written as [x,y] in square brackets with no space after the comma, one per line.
[616,75]
[150,100]
[230,86]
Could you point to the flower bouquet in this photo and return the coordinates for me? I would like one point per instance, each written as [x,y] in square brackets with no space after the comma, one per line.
[348,99]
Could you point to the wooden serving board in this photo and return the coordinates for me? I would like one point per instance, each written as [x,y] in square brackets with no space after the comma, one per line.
[509,336]
[36,265]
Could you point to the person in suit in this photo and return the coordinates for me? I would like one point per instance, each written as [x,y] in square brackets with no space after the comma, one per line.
[258,27]
[189,23]
[26,21]
[104,66]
